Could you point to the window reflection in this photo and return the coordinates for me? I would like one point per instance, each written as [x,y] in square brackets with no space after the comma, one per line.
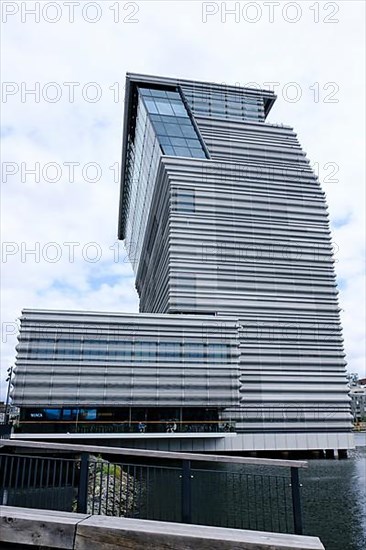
[129,351]
[184,200]
[227,104]
[172,124]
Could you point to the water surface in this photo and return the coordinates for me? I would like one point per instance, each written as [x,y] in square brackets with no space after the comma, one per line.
[334,499]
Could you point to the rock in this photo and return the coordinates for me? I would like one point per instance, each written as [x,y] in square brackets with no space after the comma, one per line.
[111,490]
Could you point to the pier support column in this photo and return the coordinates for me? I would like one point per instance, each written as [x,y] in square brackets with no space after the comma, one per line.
[342,453]
[329,453]
[318,453]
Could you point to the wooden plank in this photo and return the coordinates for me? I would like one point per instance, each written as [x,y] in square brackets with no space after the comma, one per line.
[112,533]
[122,451]
[69,531]
[27,526]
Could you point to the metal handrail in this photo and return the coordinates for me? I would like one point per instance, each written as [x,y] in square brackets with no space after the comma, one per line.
[152,454]
[185,459]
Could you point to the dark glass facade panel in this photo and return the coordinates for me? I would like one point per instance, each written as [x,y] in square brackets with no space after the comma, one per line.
[74,414]
[142,165]
[120,414]
[127,351]
[184,200]
[174,129]
[225,104]
[163,126]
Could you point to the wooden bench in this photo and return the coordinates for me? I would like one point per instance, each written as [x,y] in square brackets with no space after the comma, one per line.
[64,530]
[34,527]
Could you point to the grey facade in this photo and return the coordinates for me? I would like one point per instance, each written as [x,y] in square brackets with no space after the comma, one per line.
[242,232]
[224,219]
[68,359]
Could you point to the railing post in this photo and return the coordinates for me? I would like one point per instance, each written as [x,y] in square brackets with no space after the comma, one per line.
[186,492]
[82,503]
[296,500]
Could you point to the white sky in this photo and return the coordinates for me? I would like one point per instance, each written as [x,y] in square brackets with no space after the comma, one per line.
[319,57]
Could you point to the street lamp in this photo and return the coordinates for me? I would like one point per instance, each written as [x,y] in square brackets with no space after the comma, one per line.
[7,402]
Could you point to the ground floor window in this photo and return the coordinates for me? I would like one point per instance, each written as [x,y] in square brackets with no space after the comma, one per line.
[122,419]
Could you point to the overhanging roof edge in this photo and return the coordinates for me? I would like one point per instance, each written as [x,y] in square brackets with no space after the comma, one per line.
[132,79]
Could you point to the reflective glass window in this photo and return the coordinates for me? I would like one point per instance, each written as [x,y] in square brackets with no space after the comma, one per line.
[160,128]
[151,105]
[179,109]
[168,150]
[173,130]
[225,104]
[178,141]
[165,140]
[194,350]
[158,93]
[164,108]
[142,163]
[182,151]
[145,351]
[188,131]
[145,91]
[170,119]
[169,350]
[184,200]
[197,153]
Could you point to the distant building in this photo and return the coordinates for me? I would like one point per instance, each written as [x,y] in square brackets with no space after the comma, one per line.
[227,228]
[2,412]
[358,402]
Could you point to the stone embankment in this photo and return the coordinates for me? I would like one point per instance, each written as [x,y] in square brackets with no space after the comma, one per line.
[111,490]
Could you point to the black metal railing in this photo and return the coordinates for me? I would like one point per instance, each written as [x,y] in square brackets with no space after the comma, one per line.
[93,427]
[259,494]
